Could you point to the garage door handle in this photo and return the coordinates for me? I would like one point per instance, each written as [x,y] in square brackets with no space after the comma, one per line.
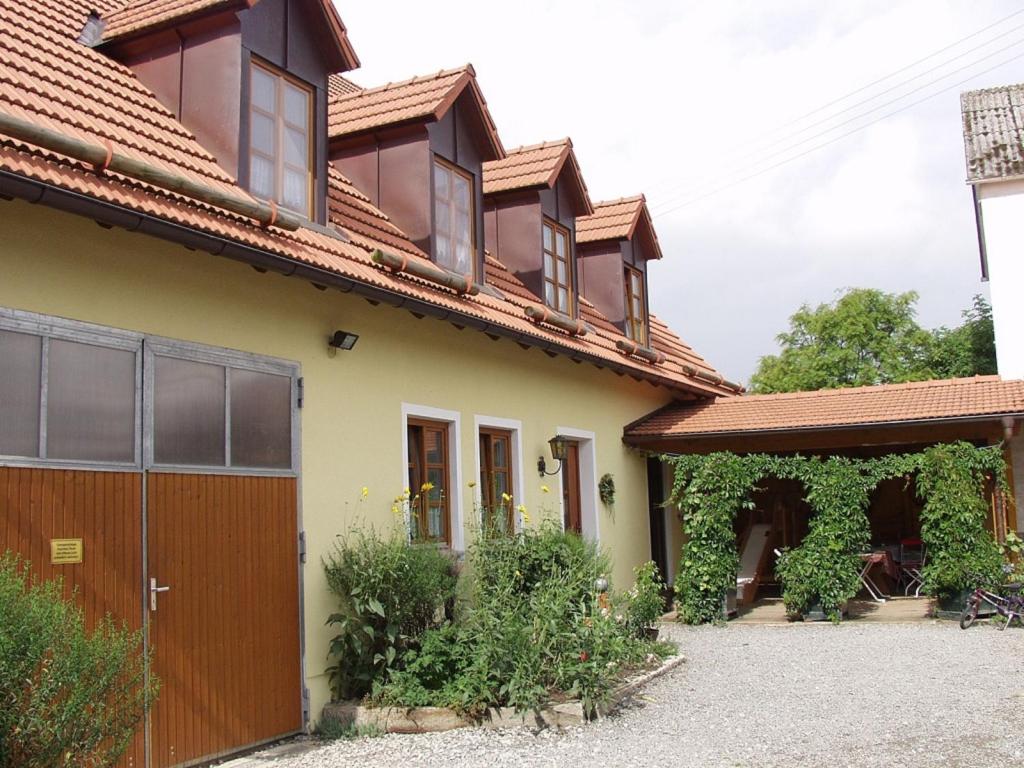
[154,590]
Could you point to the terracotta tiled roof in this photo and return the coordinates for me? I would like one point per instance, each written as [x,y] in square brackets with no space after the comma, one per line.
[51,80]
[617,220]
[341,86]
[537,165]
[139,16]
[994,132]
[920,401]
[422,98]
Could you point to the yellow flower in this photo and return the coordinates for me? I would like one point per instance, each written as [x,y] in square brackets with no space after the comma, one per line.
[545,489]
[506,497]
[366,491]
[521,509]
[395,510]
[471,484]
[428,486]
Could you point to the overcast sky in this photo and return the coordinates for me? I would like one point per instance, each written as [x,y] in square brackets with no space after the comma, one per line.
[683,100]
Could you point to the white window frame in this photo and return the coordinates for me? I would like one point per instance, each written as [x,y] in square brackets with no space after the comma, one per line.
[515,427]
[49,327]
[454,421]
[589,518]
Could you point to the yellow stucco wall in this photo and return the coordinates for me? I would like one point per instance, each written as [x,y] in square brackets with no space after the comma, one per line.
[64,265]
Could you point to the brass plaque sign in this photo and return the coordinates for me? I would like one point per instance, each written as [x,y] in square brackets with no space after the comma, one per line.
[65,551]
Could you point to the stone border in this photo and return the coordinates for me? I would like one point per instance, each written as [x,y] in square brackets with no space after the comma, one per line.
[430,719]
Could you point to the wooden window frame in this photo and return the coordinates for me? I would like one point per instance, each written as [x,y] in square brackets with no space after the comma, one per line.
[636,327]
[488,492]
[280,123]
[449,167]
[552,280]
[419,511]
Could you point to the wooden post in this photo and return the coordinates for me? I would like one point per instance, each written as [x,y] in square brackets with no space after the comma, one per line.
[426,271]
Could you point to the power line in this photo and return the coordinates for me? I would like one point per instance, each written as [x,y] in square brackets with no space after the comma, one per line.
[863,114]
[833,140]
[865,87]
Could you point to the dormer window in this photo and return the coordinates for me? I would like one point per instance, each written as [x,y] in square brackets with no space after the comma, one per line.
[558,292]
[280,140]
[636,306]
[454,241]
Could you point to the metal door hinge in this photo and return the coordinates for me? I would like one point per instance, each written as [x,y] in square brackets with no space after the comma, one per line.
[300,391]
[302,546]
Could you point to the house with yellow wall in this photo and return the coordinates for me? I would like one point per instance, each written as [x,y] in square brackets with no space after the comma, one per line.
[245,303]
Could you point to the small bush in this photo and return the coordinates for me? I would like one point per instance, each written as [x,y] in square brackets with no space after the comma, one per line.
[646,603]
[389,592]
[532,628]
[68,697]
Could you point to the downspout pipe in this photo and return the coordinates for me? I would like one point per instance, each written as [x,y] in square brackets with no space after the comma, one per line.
[13,185]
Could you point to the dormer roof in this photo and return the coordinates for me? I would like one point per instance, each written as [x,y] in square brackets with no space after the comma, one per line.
[140,17]
[535,167]
[620,219]
[420,99]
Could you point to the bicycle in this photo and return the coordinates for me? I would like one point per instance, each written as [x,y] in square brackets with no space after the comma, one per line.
[1010,606]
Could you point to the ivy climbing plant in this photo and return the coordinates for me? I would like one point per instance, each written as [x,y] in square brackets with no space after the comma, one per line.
[952,480]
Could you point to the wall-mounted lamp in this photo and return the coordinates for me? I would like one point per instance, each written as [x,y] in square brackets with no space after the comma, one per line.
[559,451]
[343,340]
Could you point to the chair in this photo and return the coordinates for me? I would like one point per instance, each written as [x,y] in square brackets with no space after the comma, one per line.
[912,559]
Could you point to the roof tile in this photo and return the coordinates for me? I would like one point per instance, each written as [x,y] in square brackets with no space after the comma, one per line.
[993,122]
[825,408]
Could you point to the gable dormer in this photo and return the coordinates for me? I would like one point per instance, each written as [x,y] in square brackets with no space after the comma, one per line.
[614,245]
[532,198]
[417,149]
[249,78]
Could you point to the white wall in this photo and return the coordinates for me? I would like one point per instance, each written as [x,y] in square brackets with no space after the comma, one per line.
[1002,213]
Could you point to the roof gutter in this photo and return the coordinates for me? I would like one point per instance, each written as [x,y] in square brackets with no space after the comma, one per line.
[642,439]
[14,185]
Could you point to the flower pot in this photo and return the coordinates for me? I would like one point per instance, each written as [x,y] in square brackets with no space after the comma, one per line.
[816,613]
[651,633]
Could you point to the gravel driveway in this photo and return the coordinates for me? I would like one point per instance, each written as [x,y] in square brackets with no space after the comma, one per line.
[926,694]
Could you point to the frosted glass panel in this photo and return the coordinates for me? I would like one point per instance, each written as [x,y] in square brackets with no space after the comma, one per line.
[90,409]
[262,133]
[296,189]
[296,148]
[296,106]
[20,368]
[260,420]
[263,89]
[261,181]
[188,413]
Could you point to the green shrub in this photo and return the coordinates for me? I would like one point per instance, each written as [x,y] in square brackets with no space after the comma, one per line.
[389,592]
[68,697]
[532,627]
[646,603]
[959,548]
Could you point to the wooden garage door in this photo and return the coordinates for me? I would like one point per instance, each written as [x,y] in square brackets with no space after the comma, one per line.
[104,510]
[225,635]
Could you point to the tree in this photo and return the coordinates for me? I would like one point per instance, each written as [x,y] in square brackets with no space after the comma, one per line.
[869,337]
[969,349]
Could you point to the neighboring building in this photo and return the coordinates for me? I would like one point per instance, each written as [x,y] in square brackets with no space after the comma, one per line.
[993,125]
[179,390]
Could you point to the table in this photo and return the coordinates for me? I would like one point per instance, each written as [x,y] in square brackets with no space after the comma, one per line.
[871,559]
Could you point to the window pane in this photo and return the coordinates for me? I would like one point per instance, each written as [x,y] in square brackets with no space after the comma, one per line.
[296,105]
[261,177]
[561,273]
[296,191]
[90,408]
[547,238]
[261,406]
[443,221]
[463,261]
[441,178]
[500,452]
[415,435]
[296,148]
[563,300]
[20,369]
[262,129]
[263,89]
[560,244]
[188,413]
[461,191]
[462,228]
[435,446]
[549,294]
[549,266]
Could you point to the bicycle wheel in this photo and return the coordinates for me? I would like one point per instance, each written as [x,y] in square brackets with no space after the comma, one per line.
[969,613]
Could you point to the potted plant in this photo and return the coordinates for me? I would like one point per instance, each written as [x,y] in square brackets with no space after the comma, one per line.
[646,603]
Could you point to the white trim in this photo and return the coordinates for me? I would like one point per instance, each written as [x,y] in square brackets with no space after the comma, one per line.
[589,517]
[518,480]
[454,421]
